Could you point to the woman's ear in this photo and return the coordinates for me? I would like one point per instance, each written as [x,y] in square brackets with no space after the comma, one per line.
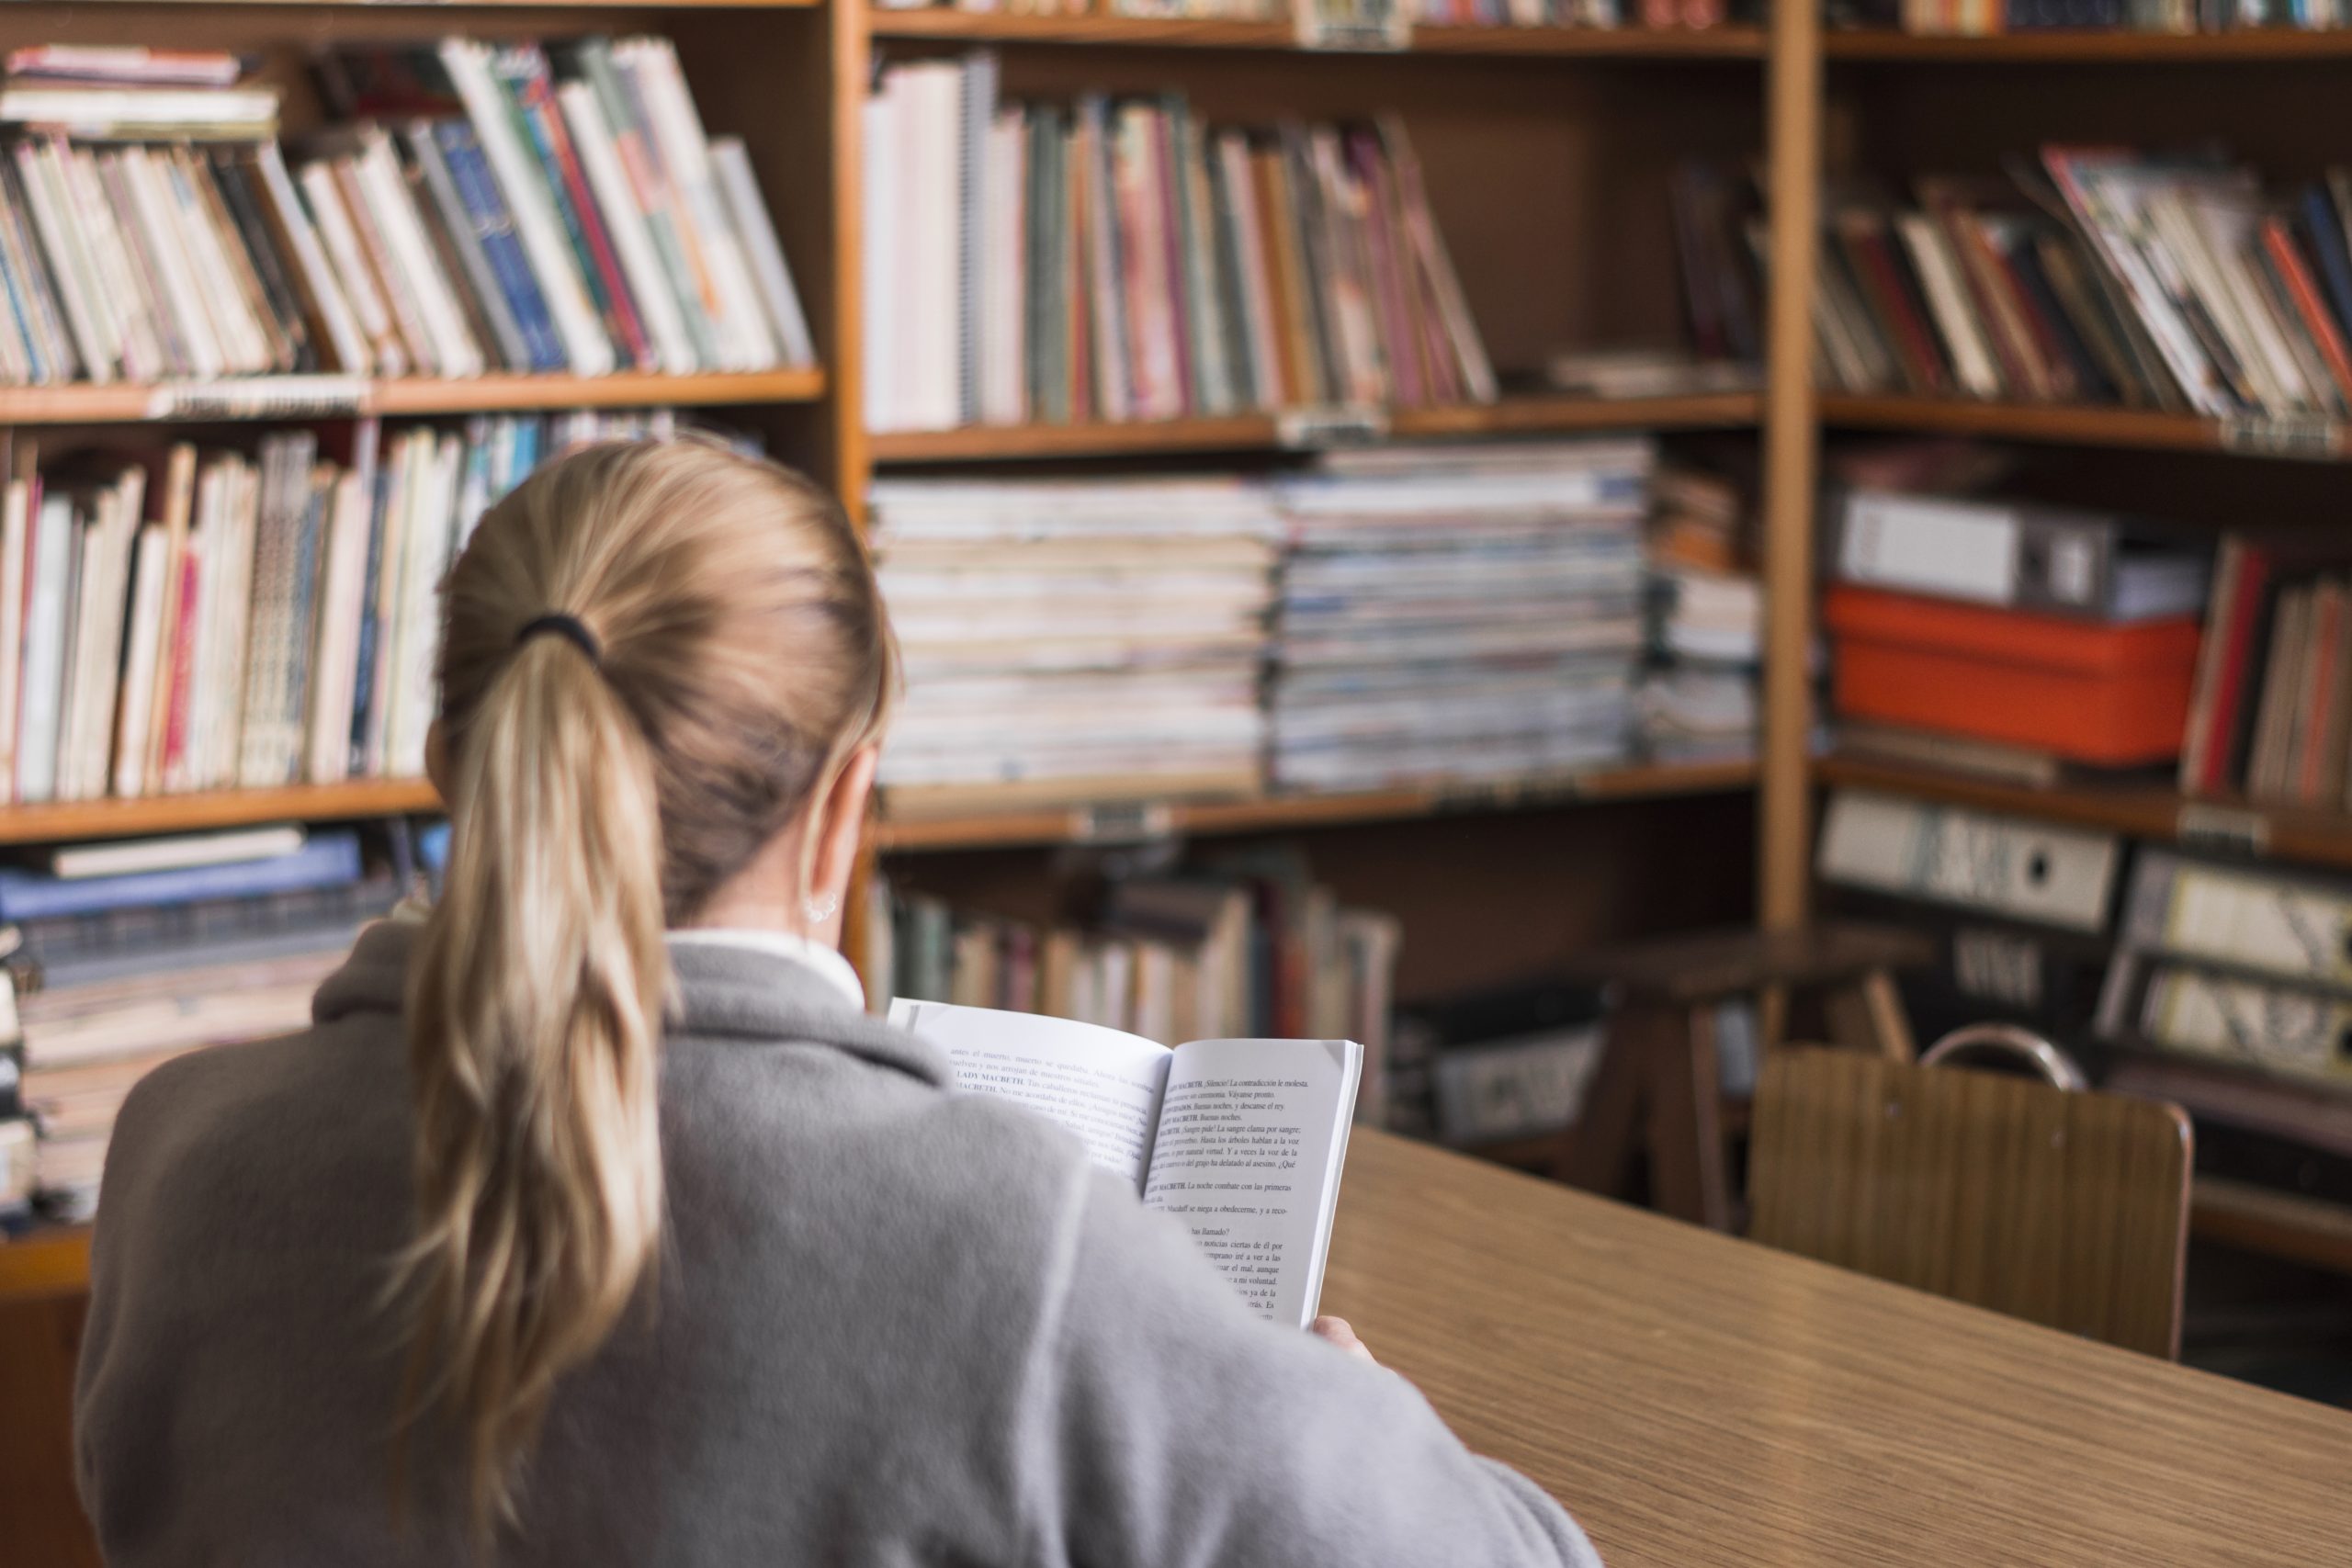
[839,823]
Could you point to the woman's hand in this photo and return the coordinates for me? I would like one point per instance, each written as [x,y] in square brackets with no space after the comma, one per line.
[1335,1330]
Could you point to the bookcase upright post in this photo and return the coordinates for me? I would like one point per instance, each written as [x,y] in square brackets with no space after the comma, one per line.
[1791,438]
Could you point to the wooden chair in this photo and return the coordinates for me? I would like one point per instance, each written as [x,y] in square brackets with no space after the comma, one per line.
[2066,1209]
[1656,1084]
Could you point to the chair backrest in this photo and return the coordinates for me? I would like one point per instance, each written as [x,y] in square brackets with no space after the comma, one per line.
[2070,1209]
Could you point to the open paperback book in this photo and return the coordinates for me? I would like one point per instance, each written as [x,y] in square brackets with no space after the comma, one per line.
[1242,1140]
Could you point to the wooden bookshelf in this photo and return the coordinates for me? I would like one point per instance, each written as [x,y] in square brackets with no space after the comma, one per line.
[1257,433]
[2080,426]
[60,821]
[1190,32]
[1128,820]
[2137,810]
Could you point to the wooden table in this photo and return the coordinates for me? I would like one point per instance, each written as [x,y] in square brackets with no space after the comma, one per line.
[1697,1400]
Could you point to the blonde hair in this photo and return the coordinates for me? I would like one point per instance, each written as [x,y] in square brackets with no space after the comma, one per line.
[600,791]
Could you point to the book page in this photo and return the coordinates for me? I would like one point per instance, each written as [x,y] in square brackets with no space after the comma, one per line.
[1253,1134]
[1100,1084]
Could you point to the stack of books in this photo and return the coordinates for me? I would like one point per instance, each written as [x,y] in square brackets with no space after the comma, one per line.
[1698,699]
[1117,259]
[1075,640]
[1570,13]
[1459,614]
[182,618]
[1237,950]
[510,208]
[2271,717]
[137,951]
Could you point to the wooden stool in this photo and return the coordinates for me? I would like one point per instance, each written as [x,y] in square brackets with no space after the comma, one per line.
[1657,1065]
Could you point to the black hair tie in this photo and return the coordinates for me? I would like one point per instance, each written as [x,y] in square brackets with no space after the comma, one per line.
[568,628]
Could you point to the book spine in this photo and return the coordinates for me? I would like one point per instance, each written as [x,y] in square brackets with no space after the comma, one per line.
[631,240]
[260,256]
[393,285]
[525,195]
[492,227]
[411,253]
[67,259]
[669,110]
[683,272]
[335,326]
[527,79]
[371,312]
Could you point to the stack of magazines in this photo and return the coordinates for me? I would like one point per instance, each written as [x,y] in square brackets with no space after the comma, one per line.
[1075,640]
[143,949]
[1459,614]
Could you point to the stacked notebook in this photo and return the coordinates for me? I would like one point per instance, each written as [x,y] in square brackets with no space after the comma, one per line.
[139,951]
[1459,614]
[177,618]
[512,209]
[1120,259]
[1073,639]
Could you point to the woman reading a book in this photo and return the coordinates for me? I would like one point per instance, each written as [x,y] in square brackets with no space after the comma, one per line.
[595,1221]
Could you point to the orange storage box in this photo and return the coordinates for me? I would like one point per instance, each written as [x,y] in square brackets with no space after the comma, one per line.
[2113,695]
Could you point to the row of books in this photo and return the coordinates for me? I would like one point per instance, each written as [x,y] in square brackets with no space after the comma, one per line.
[189,618]
[1248,947]
[207,940]
[1119,259]
[485,208]
[1422,13]
[1982,18]
[2087,277]
[1425,613]
[2271,717]
[1225,10]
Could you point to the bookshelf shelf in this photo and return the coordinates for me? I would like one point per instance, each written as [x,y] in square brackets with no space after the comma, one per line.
[447,6]
[1186,32]
[268,398]
[2139,810]
[2136,428]
[2278,1223]
[45,1261]
[2091,48]
[1248,432]
[222,808]
[1276,813]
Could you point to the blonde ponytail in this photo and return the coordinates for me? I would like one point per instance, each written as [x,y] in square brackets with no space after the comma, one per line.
[600,789]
